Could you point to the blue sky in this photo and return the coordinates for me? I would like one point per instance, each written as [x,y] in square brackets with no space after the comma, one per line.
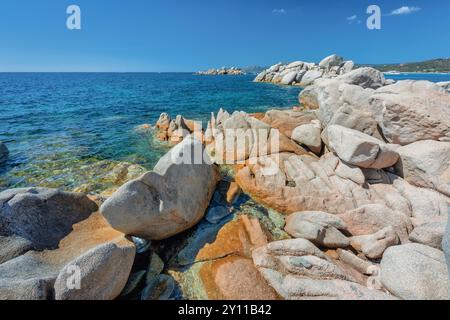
[189,35]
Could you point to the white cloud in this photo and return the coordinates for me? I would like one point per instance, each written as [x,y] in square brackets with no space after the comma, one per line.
[404,10]
[280,11]
[353,19]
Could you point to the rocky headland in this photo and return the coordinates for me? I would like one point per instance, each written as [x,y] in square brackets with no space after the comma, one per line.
[233,71]
[346,197]
[303,74]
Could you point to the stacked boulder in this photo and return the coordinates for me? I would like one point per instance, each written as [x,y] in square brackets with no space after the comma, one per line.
[175,130]
[303,73]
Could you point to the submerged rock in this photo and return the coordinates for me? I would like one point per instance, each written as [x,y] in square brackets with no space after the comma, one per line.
[219,265]
[215,214]
[168,200]
[160,288]
[155,267]
[55,235]
[3,153]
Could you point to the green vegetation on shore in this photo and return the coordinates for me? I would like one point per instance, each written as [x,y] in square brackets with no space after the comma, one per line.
[429,66]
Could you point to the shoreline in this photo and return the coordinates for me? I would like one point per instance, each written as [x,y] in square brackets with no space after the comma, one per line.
[313,204]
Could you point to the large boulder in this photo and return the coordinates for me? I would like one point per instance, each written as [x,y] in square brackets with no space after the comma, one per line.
[242,136]
[309,135]
[364,77]
[310,76]
[163,122]
[415,272]
[56,245]
[168,200]
[342,104]
[289,77]
[426,164]
[347,67]
[430,233]
[424,203]
[286,121]
[3,152]
[445,85]
[290,183]
[331,61]
[360,149]
[410,111]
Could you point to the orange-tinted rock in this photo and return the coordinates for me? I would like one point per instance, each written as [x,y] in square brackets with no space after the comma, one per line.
[287,120]
[257,115]
[233,192]
[192,125]
[290,183]
[62,230]
[143,128]
[163,122]
[238,237]
[162,135]
[235,278]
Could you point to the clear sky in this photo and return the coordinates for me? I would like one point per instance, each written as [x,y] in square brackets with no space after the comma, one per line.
[189,35]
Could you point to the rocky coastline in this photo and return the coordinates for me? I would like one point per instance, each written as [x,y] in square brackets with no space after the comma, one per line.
[303,74]
[346,197]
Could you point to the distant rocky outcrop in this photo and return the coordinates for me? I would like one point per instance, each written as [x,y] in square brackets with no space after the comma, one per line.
[303,74]
[3,153]
[221,72]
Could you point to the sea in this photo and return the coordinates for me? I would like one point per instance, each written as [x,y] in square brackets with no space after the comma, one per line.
[59,127]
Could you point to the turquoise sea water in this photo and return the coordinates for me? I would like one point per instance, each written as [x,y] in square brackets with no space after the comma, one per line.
[58,126]
[65,129]
[433,77]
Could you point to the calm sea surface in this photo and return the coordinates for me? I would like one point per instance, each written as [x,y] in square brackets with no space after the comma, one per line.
[59,126]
